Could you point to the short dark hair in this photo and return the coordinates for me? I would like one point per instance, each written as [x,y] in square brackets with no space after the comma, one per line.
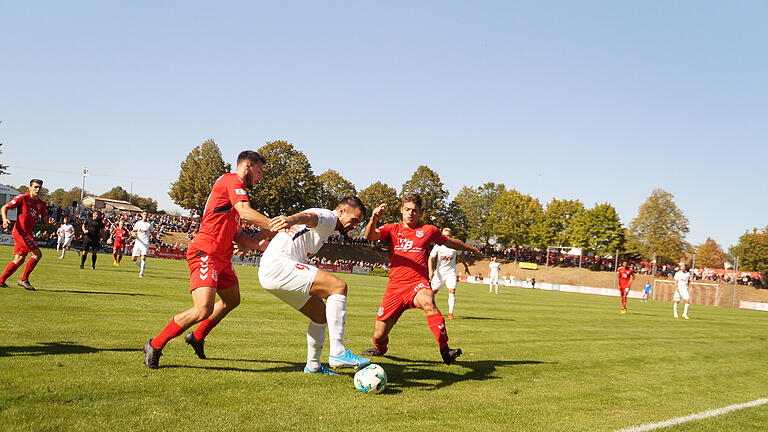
[251,156]
[38,181]
[353,201]
[413,198]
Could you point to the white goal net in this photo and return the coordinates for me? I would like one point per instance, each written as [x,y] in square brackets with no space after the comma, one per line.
[701,293]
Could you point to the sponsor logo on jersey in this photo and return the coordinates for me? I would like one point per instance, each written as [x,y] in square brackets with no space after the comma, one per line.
[240,191]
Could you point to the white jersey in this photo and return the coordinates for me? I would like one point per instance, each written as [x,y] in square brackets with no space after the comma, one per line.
[446,259]
[494,266]
[682,278]
[300,241]
[143,231]
[66,230]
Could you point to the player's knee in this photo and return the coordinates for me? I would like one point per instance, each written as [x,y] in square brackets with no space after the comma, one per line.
[340,287]
[232,303]
[203,312]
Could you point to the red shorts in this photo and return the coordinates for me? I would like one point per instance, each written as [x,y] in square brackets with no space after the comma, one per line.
[118,248]
[23,243]
[399,298]
[209,271]
[624,290]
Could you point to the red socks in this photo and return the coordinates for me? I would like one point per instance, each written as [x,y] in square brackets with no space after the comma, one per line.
[28,269]
[436,323]
[381,345]
[204,328]
[623,302]
[8,271]
[169,332]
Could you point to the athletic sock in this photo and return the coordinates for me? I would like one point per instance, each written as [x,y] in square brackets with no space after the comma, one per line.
[169,332]
[82,260]
[490,289]
[204,328]
[685,309]
[436,323]
[141,266]
[9,270]
[63,252]
[28,268]
[336,314]
[315,340]
[623,302]
[93,259]
[675,309]
[451,302]
[381,344]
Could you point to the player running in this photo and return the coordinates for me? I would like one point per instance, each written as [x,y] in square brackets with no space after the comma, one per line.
[683,278]
[283,272]
[68,231]
[142,230]
[93,229]
[494,268]
[445,273]
[118,239]
[209,258]
[626,275]
[29,207]
[408,285]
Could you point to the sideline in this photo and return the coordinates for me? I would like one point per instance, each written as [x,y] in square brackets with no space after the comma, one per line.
[697,416]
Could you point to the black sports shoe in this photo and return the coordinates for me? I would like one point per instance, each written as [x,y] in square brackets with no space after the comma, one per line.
[81,267]
[450,355]
[152,356]
[3,285]
[26,285]
[372,352]
[197,346]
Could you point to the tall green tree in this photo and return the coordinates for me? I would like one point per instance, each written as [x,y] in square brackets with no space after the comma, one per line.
[381,193]
[710,255]
[288,185]
[427,183]
[453,217]
[513,215]
[552,229]
[597,230]
[660,228]
[333,187]
[752,250]
[117,193]
[65,198]
[44,193]
[202,166]
[476,204]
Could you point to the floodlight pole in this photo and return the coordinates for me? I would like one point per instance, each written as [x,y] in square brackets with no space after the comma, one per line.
[735,277]
[82,190]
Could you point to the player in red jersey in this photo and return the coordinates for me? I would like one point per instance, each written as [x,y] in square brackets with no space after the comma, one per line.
[408,286]
[209,257]
[118,239]
[29,207]
[626,275]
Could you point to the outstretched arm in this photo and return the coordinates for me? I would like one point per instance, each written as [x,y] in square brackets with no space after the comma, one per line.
[304,218]
[251,216]
[371,232]
[4,212]
[246,243]
[460,245]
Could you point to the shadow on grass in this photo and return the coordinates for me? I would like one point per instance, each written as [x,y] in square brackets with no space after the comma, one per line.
[97,292]
[483,318]
[54,348]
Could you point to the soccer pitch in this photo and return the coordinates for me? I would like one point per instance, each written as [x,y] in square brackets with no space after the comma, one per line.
[71,359]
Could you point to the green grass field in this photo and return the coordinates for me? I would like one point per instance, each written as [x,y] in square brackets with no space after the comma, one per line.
[70,359]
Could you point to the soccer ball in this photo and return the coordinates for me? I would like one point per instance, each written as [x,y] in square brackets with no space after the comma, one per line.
[371,379]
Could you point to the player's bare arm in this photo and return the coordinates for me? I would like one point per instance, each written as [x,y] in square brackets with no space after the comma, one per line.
[304,218]
[245,242]
[251,216]
[460,245]
[4,212]
[371,232]
[431,265]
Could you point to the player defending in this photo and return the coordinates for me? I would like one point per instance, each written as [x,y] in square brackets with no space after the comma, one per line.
[408,285]
[282,272]
[494,267]
[445,273]
[142,230]
[68,231]
[93,229]
[29,207]
[626,275]
[118,239]
[209,258]
[683,278]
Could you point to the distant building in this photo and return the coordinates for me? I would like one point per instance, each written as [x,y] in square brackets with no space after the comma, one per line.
[97,203]
[6,194]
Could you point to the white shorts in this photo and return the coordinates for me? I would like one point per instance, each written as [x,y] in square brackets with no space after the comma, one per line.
[681,293]
[439,278]
[494,278]
[67,242]
[287,279]
[139,249]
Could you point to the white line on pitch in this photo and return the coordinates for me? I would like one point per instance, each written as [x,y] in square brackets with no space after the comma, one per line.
[697,416]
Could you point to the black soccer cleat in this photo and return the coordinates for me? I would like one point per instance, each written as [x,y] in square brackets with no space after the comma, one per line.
[152,356]
[450,355]
[26,285]
[197,346]
[372,352]
[3,285]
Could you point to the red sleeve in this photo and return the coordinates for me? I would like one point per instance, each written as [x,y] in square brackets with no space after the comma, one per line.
[44,212]
[385,232]
[15,201]
[437,236]
[236,190]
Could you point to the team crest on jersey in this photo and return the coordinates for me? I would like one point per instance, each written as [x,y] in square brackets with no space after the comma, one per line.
[381,311]
[240,192]
[420,233]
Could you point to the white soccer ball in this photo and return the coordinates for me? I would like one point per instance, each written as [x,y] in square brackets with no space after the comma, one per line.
[371,379]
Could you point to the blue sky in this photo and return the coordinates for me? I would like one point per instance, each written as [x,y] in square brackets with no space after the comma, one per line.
[592,100]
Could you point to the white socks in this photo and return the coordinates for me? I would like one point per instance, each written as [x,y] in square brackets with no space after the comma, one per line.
[336,315]
[315,340]
[685,309]
[141,266]
[451,302]
[675,310]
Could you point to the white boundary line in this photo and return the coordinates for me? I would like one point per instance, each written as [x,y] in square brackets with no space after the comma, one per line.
[697,416]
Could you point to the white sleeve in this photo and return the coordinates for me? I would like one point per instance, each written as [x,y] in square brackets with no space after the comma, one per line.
[326,221]
[434,251]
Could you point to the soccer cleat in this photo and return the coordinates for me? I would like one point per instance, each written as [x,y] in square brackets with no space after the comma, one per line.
[3,285]
[675,315]
[152,356]
[93,267]
[623,311]
[372,352]
[685,316]
[450,355]
[26,285]
[81,267]
[450,316]
[197,346]
[347,359]
[322,370]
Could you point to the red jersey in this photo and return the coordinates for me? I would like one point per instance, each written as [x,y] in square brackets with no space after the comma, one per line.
[220,219]
[119,236]
[28,209]
[625,276]
[408,250]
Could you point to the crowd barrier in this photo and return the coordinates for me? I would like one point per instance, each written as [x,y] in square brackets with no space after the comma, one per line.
[753,305]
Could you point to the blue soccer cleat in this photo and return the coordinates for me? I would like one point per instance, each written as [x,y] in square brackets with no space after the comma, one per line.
[322,370]
[348,360]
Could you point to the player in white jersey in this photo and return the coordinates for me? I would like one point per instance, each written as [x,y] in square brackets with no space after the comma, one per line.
[683,278]
[142,230]
[283,272]
[66,232]
[445,272]
[494,267]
